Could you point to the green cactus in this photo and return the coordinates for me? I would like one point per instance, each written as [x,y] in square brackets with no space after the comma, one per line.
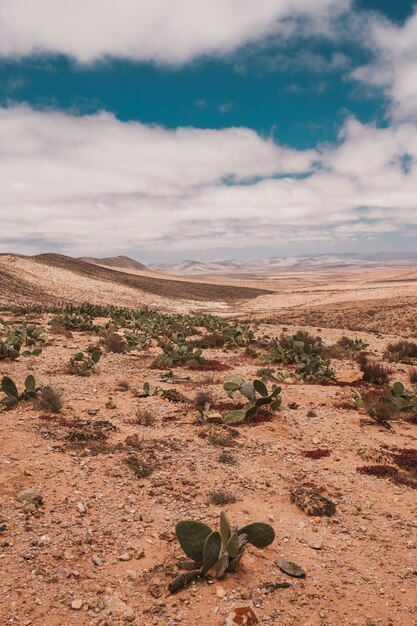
[259,534]
[211,552]
[192,536]
[12,394]
[216,551]
[84,364]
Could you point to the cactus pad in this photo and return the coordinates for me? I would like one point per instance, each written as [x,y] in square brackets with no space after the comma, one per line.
[259,534]
[225,530]
[192,536]
[211,551]
[9,388]
[233,545]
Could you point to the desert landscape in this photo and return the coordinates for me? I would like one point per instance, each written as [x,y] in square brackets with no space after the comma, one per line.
[133,400]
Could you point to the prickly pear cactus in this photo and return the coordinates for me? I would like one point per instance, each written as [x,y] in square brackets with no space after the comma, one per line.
[192,536]
[211,551]
[259,534]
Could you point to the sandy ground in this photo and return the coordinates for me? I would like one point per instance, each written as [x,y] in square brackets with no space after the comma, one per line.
[103,540]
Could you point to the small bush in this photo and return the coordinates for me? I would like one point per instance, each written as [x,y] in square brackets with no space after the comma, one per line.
[374,372]
[203,398]
[141,469]
[412,375]
[48,399]
[144,418]
[212,340]
[226,458]
[115,343]
[401,350]
[220,498]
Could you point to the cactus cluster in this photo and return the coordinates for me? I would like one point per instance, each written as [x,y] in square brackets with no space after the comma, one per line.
[216,551]
[257,395]
[304,352]
[25,335]
[381,410]
[12,394]
[179,354]
[84,364]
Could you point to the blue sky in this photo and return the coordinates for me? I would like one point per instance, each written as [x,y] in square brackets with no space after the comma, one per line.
[176,136]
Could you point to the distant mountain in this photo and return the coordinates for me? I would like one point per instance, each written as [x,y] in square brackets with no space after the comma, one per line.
[122,262]
[272,265]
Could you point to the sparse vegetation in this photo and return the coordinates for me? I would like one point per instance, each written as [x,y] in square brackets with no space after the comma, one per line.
[216,551]
[48,399]
[373,372]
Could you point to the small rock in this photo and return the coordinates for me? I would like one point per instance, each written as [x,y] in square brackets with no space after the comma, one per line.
[30,496]
[315,440]
[96,560]
[76,604]
[317,544]
[220,592]
[82,508]
[119,609]
[242,616]
[124,557]
[291,568]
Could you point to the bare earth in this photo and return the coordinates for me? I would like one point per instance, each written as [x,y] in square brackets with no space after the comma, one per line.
[101,548]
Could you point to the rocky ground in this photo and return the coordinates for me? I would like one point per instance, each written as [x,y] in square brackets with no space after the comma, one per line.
[90,496]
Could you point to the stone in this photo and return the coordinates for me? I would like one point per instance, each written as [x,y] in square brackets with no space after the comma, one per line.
[119,609]
[317,544]
[82,508]
[242,616]
[96,560]
[76,604]
[291,568]
[30,496]
[220,592]
[124,557]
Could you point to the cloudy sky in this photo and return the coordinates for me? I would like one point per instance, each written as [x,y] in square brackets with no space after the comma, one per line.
[208,128]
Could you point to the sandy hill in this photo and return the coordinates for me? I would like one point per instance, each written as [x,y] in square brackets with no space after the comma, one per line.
[54,278]
[118,263]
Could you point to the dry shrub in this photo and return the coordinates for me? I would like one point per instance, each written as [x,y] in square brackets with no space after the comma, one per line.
[113,342]
[204,397]
[144,418]
[374,372]
[401,350]
[211,340]
[412,375]
[49,399]
[220,498]
[226,458]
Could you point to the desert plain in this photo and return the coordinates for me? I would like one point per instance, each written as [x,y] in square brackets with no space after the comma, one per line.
[113,470]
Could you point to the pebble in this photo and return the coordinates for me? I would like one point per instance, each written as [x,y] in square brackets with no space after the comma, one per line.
[119,609]
[30,496]
[220,592]
[96,560]
[81,507]
[124,557]
[317,544]
[76,604]
[242,615]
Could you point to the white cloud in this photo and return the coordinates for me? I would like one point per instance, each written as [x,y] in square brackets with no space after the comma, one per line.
[95,185]
[394,66]
[157,30]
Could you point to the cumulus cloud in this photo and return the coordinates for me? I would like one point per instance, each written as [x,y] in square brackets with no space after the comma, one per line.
[394,65]
[96,185]
[157,30]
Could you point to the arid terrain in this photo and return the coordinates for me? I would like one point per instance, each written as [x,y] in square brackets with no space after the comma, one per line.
[96,473]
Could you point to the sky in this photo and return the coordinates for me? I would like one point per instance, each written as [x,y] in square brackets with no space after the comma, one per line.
[208,129]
